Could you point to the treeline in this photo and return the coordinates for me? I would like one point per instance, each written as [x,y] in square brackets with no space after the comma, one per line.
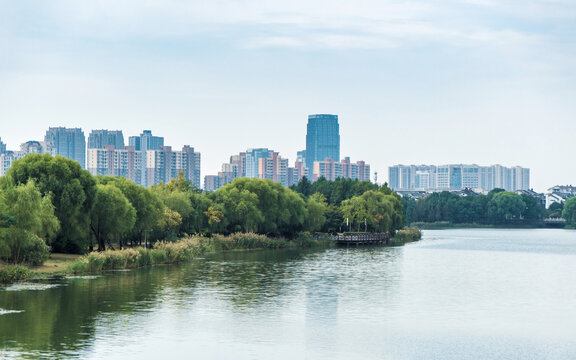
[366,206]
[496,208]
[50,201]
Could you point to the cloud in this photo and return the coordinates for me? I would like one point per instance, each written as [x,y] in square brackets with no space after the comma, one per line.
[324,24]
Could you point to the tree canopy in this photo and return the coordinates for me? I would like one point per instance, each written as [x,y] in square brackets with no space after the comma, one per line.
[71,189]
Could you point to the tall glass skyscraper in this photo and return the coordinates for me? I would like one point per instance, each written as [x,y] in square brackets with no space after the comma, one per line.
[100,138]
[68,142]
[322,139]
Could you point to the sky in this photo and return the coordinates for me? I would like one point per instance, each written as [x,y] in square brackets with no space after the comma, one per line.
[413,82]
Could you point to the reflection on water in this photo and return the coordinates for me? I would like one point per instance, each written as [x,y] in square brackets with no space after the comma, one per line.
[457,294]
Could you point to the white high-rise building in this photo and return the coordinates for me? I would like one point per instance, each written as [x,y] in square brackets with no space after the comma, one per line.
[457,177]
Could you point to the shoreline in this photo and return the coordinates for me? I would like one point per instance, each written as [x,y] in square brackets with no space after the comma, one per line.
[167,253]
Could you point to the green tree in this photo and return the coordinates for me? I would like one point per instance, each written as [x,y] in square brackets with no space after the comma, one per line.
[375,210]
[569,212]
[240,208]
[113,215]
[505,206]
[533,210]
[32,219]
[315,210]
[201,202]
[304,187]
[555,210]
[72,192]
[149,207]
[176,200]
[260,205]
[214,216]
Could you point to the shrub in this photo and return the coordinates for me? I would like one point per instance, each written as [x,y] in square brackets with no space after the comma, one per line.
[36,252]
[144,257]
[407,235]
[78,267]
[13,273]
[157,256]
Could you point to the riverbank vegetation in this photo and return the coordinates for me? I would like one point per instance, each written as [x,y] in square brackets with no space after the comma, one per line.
[498,208]
[12,273]
[50,204]
[406,235]
[164,252]
[569,212]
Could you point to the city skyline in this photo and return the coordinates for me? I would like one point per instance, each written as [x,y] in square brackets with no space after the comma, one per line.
[467,81]
[104,144]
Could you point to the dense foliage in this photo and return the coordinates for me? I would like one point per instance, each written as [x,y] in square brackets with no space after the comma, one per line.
[569,212]
[72,192]
[50,202]
[497,207]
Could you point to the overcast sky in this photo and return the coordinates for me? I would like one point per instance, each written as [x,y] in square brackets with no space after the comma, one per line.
[433,82]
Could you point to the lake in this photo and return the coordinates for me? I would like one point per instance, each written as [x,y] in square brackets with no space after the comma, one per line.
[456,294]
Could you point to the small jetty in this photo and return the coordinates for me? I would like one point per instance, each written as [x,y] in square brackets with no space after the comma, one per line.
[362,239]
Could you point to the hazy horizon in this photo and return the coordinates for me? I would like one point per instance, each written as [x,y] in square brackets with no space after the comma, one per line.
[420,82]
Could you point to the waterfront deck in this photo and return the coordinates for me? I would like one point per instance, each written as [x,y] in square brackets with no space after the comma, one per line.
[362,239]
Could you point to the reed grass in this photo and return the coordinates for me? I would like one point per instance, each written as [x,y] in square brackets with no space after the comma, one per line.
[166,252]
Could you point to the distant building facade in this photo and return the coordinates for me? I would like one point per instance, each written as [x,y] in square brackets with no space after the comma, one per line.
[111,161]
[98,139]
[163,165]
[559,194]
[252,160]
[458,176]
[260,163]
[332,170]
[322,139]
[67,142]
[142,143]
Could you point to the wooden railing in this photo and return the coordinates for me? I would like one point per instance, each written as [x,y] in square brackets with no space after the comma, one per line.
[362,239]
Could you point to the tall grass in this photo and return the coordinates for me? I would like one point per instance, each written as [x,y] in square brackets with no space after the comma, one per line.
[407,234]
[185,249]
[12,273]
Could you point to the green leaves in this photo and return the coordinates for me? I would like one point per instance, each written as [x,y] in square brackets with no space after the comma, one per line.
[112,216]
[569,212]
[31,218]
[72,192]
[374,210]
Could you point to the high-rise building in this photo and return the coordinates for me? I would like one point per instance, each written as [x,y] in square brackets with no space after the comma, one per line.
[67,142]
[100,138]
[322,139]
[2,147]
[257,163]
[458,177]
[252,157]
[332,170]
[146,141]
[164,165]
[34,147]
[115,162]
[274,168]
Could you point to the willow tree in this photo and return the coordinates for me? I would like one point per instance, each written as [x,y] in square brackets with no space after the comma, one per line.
[148,205]
[72,191]
[112,217]
[31,220]
[261,205]
[376,210]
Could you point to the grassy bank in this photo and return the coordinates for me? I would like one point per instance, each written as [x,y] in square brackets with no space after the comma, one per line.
[406,235]
[183,250]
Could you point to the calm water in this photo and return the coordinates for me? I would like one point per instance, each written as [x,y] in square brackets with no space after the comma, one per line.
[457,294]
